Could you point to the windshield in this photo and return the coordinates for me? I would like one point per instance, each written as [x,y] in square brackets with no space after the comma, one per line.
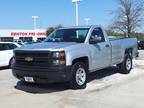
[68,35]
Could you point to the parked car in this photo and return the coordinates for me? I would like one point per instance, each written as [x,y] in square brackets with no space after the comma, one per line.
[141,44]
[20,42]
[6,53]
[70,54]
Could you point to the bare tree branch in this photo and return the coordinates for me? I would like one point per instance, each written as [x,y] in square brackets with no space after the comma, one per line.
[129,16]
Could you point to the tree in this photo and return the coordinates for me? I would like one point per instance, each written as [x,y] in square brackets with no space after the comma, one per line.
[129,16]
[51,29]
[139,36]
[59,26]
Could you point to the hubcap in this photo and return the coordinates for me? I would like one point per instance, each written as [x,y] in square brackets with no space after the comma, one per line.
[80,76]
[128,64]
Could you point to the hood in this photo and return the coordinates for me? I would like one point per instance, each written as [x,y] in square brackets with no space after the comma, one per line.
[46,46]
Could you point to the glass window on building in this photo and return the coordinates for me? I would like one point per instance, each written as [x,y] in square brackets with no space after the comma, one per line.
[26,39]
[40,39]
[6,39]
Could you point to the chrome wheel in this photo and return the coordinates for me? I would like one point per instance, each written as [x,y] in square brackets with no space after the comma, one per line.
[128,64]
[80,76]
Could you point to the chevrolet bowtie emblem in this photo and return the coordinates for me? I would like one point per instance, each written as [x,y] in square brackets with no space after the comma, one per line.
[28,59]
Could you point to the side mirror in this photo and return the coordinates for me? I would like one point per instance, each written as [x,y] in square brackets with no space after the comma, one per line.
[95,39]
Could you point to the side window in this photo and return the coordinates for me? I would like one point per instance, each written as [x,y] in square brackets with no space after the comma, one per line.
[12,46]
[98,32]
[3,47]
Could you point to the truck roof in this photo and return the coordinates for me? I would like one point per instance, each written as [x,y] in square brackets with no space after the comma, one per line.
[84,26]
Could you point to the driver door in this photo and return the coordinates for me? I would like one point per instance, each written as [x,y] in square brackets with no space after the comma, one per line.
[100,50]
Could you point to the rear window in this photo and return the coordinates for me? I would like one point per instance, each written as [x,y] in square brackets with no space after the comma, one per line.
[12,46]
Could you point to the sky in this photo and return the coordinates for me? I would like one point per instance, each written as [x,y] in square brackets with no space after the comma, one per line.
[17,14]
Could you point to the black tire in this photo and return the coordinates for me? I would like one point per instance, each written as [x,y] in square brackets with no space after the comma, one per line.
[11,62]
[75,80]
[126,66]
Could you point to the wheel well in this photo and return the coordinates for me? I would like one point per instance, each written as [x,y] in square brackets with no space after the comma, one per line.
[129,51]
[82,59]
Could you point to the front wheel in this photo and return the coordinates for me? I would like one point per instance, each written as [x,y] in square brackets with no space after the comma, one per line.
[11,62]
[126,66]
[79,77]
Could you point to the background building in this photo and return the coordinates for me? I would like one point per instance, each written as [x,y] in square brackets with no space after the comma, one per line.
[23,35]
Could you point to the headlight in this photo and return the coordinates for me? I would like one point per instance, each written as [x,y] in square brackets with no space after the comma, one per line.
[13,54]
[58,62]
[58,54]
[13,60]
[58,58]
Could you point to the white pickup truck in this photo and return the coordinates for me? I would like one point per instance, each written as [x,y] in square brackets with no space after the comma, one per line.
[70,54]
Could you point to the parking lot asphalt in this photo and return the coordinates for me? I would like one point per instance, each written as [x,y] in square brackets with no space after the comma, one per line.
[106,89]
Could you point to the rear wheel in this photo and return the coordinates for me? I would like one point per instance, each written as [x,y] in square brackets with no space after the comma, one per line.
[79,77]
[126,66]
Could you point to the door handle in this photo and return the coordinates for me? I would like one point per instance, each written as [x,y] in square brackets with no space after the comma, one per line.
[107,45]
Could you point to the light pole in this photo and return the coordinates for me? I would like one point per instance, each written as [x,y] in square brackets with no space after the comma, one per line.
[126,17]
[77,14]
[34,21]
[87,21]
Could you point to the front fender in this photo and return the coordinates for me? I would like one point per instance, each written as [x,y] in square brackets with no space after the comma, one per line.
[70,56]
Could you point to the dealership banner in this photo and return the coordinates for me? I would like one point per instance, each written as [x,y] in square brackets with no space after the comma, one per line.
[28,33]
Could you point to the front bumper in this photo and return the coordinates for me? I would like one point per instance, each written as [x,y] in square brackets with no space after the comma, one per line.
[43,75]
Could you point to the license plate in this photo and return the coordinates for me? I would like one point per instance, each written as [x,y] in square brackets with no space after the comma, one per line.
[29,79]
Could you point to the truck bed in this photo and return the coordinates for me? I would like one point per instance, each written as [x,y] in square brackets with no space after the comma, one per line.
[119,45]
